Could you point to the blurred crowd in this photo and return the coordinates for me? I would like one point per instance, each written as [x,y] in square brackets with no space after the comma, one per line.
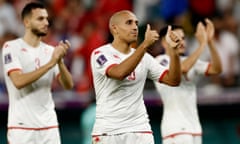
[85,24]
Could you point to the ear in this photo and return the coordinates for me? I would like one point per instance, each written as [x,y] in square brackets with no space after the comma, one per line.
[26,22]
[114,29]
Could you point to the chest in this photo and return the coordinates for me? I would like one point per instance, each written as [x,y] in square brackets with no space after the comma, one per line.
[138,74]
[32,59]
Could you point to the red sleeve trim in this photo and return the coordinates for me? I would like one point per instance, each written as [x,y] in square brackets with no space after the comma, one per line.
[163,74]
[37,129]
[108,68]
[16,69]
[96,52]
[207,71]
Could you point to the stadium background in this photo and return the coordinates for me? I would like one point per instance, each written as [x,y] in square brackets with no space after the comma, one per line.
[84,23]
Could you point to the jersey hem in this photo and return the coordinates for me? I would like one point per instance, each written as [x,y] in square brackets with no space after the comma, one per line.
[36,129]
[106,134]
[181,133]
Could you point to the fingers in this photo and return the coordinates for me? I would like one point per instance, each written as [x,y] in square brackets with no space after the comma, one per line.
[210,29]
[65,45]
[208,21]
[151,35]
[148,27]
[172,38]
[169,29]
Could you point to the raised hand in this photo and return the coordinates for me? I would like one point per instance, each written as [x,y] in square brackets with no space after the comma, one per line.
[60,50]
[201,33]
[172,38]
[151,35]
[209,29]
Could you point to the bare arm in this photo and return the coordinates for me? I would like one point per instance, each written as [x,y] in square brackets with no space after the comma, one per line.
[201,36]
[65,78]
[123,69]
[21,80]
[216,67]
[173,77]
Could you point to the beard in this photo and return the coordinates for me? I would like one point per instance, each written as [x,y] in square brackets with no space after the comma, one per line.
[38,33]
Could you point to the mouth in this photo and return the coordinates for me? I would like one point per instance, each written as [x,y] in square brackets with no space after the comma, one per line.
[134,34]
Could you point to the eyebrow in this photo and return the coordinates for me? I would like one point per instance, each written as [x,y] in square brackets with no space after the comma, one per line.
[132,20]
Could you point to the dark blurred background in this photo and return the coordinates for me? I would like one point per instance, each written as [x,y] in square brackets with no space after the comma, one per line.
[85,24]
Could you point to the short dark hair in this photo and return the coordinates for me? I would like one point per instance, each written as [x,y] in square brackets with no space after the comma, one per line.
[29,7]
[163,31]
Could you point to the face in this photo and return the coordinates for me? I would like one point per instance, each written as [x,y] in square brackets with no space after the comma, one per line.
[181,48]
[127,28]
[38,22]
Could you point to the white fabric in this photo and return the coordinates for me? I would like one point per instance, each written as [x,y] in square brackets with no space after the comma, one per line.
[120,106]
[8,20]
[31,106]
[183,139]
[125,138]
[21,136]
[180,103]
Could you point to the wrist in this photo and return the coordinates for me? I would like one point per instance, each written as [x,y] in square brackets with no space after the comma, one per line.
[211,41]
[51,63]
[145,44]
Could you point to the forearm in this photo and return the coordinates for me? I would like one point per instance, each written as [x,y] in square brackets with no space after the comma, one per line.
[187,64]
[65,78]
[174,74]
[216,66]
[123,69]
[21,80]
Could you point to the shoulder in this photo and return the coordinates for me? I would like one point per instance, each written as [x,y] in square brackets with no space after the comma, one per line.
[103,48]
[162,56]
[12,44]
[163,59]
[45,45]
[14,41]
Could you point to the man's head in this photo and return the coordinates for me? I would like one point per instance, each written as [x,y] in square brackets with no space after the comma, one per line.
[179,31]
[35,18]
[124,26]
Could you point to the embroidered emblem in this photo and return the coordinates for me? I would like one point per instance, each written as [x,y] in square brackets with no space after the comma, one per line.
[7,58]
[101,59]
[164,62]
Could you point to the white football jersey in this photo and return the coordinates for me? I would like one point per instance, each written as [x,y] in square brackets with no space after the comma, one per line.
[180,113]
[120,106]
[31,106]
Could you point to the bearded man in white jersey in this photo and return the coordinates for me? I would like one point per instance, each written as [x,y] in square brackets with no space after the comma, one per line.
[29,69]
[180,122]
[119,73]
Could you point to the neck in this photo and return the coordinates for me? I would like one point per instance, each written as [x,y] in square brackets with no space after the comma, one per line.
[31,39]
[121,46]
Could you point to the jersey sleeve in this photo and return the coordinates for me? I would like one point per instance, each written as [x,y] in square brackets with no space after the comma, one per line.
[156,71]
[10,58]
[102,61]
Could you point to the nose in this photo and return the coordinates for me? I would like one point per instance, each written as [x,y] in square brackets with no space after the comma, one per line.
[46,22]
[135,27]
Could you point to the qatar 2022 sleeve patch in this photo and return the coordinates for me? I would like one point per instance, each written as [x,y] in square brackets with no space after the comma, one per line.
[164,62]
[7,58]
[101,60]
